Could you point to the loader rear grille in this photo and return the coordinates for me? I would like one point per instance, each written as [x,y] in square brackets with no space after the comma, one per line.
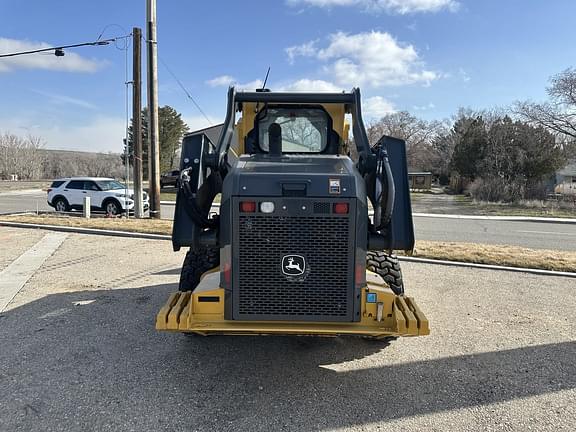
[265,293]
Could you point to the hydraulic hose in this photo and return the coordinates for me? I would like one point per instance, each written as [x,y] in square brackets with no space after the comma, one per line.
[190,205]
[383,169]
[391,191]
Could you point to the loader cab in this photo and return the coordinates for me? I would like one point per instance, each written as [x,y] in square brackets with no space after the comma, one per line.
[304,129]
[289,135]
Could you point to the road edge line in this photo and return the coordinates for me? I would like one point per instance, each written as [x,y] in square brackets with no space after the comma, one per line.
[498,218]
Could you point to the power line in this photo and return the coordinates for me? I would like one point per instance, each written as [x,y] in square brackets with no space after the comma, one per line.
[185,91]
[60,48]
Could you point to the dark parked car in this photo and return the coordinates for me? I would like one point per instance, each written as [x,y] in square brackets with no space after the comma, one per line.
[169,178]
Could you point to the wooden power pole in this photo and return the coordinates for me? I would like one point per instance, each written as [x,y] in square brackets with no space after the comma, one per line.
[137,120]
[153,135]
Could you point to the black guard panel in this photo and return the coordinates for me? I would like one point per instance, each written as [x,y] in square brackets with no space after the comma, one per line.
[402,226]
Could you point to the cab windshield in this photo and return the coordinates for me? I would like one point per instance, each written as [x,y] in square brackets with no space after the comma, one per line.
[106,185]
[304,130]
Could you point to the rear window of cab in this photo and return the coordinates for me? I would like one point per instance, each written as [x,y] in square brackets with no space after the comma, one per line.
[57,183]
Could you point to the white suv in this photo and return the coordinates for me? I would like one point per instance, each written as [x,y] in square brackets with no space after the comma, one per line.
[105,194]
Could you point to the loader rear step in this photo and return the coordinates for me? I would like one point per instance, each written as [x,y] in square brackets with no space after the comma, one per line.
[383,314]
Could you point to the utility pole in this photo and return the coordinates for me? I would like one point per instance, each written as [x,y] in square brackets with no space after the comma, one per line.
[153,136]
[137,120]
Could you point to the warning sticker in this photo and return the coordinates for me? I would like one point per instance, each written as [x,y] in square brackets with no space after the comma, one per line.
[334,187]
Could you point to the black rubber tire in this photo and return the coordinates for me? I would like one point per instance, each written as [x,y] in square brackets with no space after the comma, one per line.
[387,267]
[65,208]
[196,264]
[119,209]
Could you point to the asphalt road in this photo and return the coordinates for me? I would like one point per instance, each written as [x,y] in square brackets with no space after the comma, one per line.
[78,352]
[526,234]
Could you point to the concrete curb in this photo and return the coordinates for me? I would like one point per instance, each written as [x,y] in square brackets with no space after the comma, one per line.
[401,258]
[488,266]
[499,218]
[93,231]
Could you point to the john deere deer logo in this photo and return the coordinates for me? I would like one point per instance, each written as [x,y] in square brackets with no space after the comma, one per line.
[293,265]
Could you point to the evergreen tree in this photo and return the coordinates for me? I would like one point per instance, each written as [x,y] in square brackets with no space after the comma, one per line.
[171,129]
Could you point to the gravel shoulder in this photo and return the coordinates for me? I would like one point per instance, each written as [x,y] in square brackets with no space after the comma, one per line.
[79,352]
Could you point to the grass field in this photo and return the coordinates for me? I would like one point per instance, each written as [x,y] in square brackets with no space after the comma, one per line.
[453,251]
[461,204]
[9,186]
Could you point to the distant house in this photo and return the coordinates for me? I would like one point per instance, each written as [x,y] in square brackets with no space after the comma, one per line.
[420,180]
[566,180]
[212,132]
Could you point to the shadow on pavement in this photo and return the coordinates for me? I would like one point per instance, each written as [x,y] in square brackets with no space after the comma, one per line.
[92,360]
[174,271]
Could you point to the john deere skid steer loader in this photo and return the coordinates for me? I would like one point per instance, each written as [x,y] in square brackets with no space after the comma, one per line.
[294,248]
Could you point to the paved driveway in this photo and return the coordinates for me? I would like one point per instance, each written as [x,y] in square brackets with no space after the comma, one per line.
[78,352]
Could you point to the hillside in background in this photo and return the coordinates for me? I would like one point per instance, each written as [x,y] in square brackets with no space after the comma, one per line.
[65,163]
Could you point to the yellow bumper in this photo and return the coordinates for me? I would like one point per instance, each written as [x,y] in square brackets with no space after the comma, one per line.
[202,312]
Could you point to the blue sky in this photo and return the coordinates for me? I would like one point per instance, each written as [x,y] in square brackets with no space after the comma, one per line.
[429,57]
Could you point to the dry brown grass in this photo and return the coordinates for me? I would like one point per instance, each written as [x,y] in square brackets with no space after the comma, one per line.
[512,256]
[149,226]
[9,186]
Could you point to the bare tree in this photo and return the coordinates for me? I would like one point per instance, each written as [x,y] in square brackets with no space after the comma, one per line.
[420,136]
[558,114]
[21,156]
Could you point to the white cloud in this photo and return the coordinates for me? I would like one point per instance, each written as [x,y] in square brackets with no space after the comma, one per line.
[305,50]
[463,75]
[221,81]
[71,62]
[251,85]
[372,59]
[227,80]
[310,85]
[376,107]
[98,134]
[402,7]
[429,106]
[65,100]
[102,134]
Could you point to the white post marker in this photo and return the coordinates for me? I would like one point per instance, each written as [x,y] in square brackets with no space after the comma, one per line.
[86,208]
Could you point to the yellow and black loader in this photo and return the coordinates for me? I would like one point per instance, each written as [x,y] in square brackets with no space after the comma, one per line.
[303,241]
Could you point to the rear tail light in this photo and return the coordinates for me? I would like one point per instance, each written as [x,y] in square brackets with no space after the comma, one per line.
[341,208]
[248,206]
[48,190]
[360,274]
[227,273]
